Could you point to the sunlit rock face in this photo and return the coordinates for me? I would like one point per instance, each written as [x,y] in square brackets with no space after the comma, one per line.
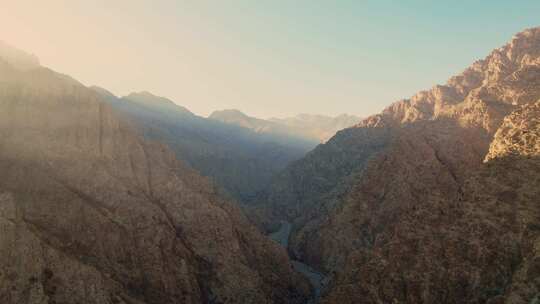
[518,135]
[434,200]
[92,213]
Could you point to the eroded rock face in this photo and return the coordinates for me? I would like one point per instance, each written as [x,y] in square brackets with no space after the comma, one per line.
[413,214]
[518,134]
[435,234]
[91,213]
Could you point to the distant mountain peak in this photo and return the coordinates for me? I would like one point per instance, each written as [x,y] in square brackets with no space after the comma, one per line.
[239,118]
[103,91]
[18,58]
[148,97]
[231,113]
[150,100]
[317,126]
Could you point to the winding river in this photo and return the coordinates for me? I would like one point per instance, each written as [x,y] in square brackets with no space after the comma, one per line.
[316,278]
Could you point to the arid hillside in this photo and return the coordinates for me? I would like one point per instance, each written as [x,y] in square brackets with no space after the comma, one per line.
[90,212]
[434,200]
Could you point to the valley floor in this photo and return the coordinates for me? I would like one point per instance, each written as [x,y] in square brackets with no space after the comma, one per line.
[316,279]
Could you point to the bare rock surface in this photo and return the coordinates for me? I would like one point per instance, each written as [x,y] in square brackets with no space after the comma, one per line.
[434,200]
[92,213]
[518,134]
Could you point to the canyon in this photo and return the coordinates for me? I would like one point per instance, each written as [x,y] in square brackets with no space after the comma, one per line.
[237,159]
[91,212]
[135,199]
[434,200]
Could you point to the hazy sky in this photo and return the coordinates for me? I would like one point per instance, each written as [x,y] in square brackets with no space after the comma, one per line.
[264,57]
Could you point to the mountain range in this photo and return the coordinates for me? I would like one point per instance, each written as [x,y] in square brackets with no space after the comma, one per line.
[320,127]
[239,153]
[317,128]
[92,212]
[135,199]
[434,200]
[238,159]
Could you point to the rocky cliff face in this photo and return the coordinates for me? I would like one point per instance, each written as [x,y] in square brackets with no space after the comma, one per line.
[518,135]
[430,233]
[402,208]
[92,213]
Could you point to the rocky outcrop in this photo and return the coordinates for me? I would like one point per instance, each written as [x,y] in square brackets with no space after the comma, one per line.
[90,212]
[518,135]
[413,214]
[476,243]
[161,104]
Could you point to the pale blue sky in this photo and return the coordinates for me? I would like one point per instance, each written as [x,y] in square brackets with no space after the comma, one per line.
[267,58]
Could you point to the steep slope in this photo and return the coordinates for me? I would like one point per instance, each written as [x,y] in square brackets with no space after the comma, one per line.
[402,209]
[238,159]
[92,213]
[477,243]
[319,127]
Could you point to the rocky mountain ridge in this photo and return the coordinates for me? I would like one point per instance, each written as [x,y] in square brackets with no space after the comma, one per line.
[434,200]
[402,207]
[17,58]
[91,212]
[238,159]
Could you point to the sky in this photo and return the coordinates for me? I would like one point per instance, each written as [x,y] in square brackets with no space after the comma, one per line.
[268,58]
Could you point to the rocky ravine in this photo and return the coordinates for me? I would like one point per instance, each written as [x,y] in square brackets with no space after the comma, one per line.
[92,213]
[435,200]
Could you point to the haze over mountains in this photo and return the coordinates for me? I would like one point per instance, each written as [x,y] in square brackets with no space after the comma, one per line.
[240,153]
[317,128]
[433,200]
[239,159]
[320,127]
[90,212]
